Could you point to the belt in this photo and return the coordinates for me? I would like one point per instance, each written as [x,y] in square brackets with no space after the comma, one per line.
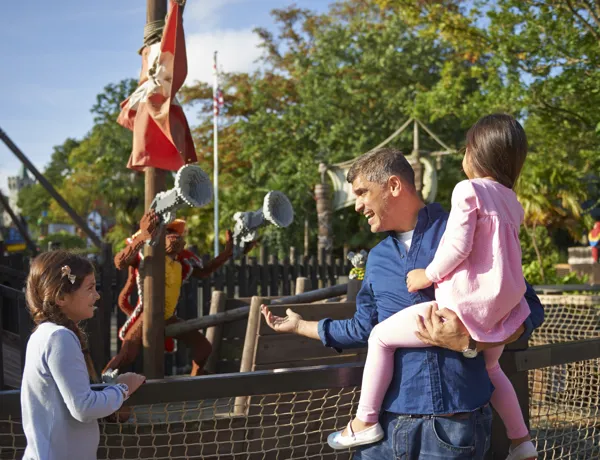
[457,415]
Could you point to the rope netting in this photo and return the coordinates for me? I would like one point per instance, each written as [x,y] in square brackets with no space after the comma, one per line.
[564,411]
[564,401]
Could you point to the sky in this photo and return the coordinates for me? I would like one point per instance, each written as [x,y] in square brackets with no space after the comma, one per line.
[57,56]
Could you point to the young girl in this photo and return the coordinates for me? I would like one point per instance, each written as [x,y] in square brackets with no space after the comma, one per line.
[59,408]
[478,274]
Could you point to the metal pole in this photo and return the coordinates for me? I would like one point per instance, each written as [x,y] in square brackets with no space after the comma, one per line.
[50,189]
[153,333]
[216,152]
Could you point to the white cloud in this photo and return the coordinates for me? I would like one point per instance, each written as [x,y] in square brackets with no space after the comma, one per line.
[238,52]
[206,32]
[205,15]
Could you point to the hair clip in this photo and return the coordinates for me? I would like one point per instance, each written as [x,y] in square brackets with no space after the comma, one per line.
[66,271]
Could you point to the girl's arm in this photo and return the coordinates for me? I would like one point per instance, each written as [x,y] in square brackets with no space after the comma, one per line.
[458,238]
[67,366]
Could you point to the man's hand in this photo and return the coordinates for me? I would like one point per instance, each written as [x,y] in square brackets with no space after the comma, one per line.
[290,324]
[442,328]
[416,280]
[149,224]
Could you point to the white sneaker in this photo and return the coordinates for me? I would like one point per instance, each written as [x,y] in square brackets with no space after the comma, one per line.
[524,451]
[367,436]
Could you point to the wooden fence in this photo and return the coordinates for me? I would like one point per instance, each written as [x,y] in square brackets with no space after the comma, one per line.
[265,275]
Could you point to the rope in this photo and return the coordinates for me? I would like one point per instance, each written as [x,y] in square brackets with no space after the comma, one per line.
[153,30]
[152,33]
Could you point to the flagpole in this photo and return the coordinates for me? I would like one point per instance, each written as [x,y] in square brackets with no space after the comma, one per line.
[216,152]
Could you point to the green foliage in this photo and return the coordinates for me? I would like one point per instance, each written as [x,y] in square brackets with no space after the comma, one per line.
[332,86]
[64,240]
[532,269]
[91,173]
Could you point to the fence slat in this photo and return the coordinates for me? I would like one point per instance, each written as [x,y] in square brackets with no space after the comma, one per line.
[254,277]
[230,272]
[243,276]
[274,275]
[285,277]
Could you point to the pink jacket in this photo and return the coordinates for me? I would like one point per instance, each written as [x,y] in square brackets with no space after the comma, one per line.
[477,266]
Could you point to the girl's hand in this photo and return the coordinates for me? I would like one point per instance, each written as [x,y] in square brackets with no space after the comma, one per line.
[416,280]
[133,381]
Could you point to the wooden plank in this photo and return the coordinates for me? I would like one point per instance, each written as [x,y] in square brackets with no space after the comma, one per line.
[227,367]
[231,304]
[285,283]
[311,312]
[230,272]
[235,329]
[284,348]
[213,334]
[243,277]
[274,275]
[264,271]
[249,350]
[324,361]
[11,366]
[556,354]
[25,328]
[1,345]
[254,276]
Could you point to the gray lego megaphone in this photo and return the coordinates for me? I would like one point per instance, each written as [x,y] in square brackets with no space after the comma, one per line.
[276,209]
[192,188]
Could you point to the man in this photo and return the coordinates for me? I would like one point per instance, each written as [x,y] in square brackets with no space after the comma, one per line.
[437,405]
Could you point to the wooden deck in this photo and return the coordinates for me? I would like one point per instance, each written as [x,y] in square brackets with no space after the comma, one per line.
[11,357]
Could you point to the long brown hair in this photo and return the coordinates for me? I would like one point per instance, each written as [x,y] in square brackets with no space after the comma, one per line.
[46,284]
[497,147]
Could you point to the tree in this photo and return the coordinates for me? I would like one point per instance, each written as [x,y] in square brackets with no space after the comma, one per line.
[539,61]
[34,201]
[331,87]
[91,173]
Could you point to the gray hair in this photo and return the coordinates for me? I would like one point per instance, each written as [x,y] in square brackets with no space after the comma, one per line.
[379,164]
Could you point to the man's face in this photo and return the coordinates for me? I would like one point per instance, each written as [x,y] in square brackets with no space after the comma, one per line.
[371,201]
[174,242]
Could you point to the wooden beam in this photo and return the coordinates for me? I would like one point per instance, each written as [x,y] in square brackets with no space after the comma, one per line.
[153,332]
[241,312]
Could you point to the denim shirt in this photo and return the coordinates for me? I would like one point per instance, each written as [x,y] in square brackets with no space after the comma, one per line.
[426,380]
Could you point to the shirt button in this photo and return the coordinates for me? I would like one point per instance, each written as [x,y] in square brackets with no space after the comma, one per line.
[402,256]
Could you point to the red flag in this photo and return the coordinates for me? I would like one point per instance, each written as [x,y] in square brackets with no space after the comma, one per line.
[161,134]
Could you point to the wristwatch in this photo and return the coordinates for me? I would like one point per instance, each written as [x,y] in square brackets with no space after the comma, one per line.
[471,350]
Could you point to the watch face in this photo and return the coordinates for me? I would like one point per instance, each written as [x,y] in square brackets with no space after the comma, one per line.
[468,353]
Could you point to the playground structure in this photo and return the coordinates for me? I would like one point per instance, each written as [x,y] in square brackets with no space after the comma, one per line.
[291,392]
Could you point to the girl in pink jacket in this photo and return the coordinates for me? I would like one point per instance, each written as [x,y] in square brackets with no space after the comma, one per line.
[477,272]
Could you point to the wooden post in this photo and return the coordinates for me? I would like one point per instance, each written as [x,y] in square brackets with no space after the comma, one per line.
[154,289]
[213,334]
[302,285]
[154,257]
[353,288]
[249,351]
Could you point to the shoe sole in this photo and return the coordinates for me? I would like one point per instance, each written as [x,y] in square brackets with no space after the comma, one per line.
[363,443]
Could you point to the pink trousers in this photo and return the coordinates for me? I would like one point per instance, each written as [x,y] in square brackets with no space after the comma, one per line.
[398,331]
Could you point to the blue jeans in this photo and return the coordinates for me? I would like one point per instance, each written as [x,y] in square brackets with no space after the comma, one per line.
[458,437]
